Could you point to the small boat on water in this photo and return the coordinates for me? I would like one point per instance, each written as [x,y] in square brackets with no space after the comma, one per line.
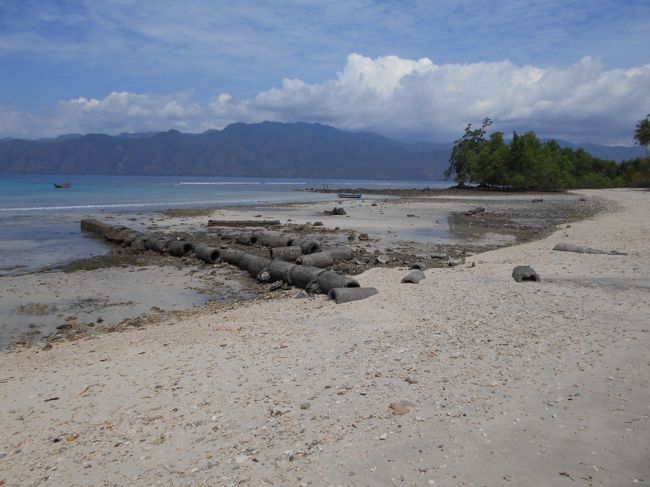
[349,195]
[61,185]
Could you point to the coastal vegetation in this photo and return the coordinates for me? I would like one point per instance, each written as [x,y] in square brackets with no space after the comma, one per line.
[528,163]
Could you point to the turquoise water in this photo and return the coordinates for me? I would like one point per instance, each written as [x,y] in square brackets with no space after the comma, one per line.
[39,225]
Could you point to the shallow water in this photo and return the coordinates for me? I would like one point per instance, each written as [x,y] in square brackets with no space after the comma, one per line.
[39,225]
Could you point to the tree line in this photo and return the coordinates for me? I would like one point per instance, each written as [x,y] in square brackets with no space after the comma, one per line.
[528,163]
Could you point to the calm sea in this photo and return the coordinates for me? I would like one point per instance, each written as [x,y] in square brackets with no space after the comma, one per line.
[39,225]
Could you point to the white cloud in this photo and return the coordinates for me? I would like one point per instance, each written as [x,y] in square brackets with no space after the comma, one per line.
[391,95]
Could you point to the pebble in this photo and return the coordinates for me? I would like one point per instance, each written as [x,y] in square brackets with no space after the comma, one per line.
[305,405]
[401,408]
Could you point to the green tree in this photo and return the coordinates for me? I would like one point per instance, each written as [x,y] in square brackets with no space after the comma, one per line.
[465,150]
[642,132]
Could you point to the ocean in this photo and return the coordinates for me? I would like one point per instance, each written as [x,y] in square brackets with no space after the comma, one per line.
[39,224]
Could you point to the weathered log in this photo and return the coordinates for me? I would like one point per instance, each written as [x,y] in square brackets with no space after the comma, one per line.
[156,243]
[231,256]
[206,253]
[525,273]
[326,258]
[414,277]
[290,254]
[181,248]
[274,241]
[347,294]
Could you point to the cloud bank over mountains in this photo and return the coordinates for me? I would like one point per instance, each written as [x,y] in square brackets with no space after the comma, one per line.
[411,99]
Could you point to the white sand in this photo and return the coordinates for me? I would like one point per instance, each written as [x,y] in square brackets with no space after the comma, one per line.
[538,384]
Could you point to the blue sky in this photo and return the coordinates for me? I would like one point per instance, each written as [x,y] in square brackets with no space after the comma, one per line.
[577,70]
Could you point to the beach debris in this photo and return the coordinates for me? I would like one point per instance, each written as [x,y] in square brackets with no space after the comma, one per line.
[243,223]
[317,224]
[537,200]
[206,253]
[305,405]
[475,211]
[414,277]
[337,210]
[373,204]
[363,237]
[411,215]
[51,399]
[307,246]
[523,273]
[567,247]
[181,248]
[453,262]
[400,408]
[245,239]
[326,258]
[382,259]
[274,241]
[420,266]
[347,294]
[289,254]
[410,380]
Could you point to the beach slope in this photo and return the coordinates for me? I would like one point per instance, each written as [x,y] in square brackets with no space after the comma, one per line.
[467,378]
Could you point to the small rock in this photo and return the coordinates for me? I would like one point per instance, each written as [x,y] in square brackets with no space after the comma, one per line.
[317,224]
[401,408]
[99,319]
[411,380]
[305,405]
[363,236]
[383,436]
[382,259]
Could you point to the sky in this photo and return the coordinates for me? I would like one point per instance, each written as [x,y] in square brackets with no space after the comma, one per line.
[408,69]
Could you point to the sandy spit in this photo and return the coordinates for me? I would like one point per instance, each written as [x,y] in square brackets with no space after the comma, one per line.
[467,378]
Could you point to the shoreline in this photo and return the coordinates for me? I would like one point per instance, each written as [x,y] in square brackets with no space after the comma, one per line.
[466,378]
[402,232]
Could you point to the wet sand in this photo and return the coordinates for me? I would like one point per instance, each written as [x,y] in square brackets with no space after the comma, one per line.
[467,378]
[66,301]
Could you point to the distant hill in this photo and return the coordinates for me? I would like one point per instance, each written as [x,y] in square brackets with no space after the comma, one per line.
[616,153]
[268,149]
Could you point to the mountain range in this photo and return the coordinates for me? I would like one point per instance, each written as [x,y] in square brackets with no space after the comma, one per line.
[268,149]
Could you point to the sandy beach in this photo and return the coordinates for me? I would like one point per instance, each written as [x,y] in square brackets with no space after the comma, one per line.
[467,378]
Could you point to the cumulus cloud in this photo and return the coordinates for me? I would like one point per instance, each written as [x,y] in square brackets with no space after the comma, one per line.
[407,98]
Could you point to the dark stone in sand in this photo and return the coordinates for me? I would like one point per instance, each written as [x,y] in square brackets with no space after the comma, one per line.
[523,273]
[346,294]
[414,277]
